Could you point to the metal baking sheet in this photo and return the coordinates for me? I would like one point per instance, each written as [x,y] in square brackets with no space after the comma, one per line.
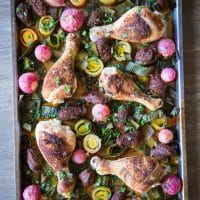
[178,34]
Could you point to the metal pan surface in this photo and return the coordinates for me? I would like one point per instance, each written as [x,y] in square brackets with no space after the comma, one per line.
[177,20]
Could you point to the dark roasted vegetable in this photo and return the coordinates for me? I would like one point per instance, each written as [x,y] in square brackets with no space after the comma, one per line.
[163,151]
[104,48]
[72,112]
[96,97]
[114,151]
[130,140]
[118,195]
[33,160]
[87,177]
[96,18]
[122,114]
[164,4]
[24,14]
[38,6]
[157,86]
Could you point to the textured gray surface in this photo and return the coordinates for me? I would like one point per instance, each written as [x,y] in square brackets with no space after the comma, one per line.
[191,16]
[7,189]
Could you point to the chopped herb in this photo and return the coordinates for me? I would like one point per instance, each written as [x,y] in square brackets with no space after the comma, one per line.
[122,189]
[167,15]
[84,33]
[109,133]
[28,64]
[67,89]
[62,36]
[46,186]
[124,35]
[108,18]
[175,111]
[139,111]
[139,10]
[131,125]
[29,44]
[63,175]
[58,80]
[86,45]
[122,107]
[47,170]
[48,26]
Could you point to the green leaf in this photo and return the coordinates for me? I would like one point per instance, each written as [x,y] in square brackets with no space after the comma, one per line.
[122,189]
[58,80]
[148,117]
[138,69]
[49,112]
[124,35]
[63,175]
[67,89]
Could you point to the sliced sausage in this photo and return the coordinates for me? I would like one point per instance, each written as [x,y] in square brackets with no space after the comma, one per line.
[96,18]
[96,97]
[72,113]
[130,140]
[39,7]
[104,48]
[146,56]
[157,86]
[163,151]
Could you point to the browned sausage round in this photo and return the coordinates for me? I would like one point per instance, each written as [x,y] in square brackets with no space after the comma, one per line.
[96,18]
[146,56]
[72,112]
[157,86]
[96,97]
[130,140]
[104,48]
[39,7]
[163,151]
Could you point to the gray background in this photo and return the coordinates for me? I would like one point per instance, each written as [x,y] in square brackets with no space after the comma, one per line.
[191,25]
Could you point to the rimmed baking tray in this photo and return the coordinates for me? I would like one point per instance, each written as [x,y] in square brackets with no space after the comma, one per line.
[180,103]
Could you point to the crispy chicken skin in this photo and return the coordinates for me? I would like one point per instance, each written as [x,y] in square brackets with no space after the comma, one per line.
[60,82]
[138,25]
[121,87]
[138,173]
[56,143]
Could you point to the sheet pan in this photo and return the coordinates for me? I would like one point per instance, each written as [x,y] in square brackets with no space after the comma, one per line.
[178,34]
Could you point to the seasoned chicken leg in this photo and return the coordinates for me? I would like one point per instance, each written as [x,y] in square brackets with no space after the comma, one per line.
[56,143]
[138,25]
[121,87]
[138,173]
[60,82]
